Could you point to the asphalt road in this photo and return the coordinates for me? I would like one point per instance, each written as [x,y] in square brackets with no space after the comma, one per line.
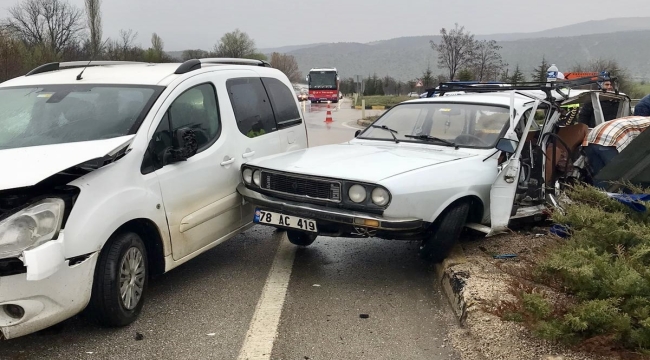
[258,297]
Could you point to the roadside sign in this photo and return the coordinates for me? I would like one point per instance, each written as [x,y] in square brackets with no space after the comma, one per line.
[419,84]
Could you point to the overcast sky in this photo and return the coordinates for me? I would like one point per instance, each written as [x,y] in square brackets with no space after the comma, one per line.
[185,24]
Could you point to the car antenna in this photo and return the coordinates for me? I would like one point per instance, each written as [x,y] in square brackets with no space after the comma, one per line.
[84,69]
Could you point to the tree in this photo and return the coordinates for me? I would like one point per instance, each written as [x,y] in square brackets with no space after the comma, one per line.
[541,71]
[486,59]
[124,48]
[236,44]
[94,23]
[54,24]
[456,50]
[465,75]
[156,52]
[195,54]
[427,78]
[517,76]
[287,64]
[12,54]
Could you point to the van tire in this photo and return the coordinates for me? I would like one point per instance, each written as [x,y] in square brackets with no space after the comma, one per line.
[300,238]
[107,306]
[445,232]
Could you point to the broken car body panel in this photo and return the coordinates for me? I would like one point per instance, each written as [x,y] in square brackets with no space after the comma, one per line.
[30,165]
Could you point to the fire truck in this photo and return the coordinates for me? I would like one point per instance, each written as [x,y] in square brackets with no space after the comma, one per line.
[323,85]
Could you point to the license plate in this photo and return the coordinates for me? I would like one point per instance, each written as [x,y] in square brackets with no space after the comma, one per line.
[272,218]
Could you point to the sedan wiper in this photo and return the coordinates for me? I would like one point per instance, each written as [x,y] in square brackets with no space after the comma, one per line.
[432,138]
[391,131]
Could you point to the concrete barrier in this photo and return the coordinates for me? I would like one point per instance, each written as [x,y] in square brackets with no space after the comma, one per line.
[453,282]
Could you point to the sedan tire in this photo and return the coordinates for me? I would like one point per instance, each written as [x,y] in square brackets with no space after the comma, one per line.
[300,238]
[445,232]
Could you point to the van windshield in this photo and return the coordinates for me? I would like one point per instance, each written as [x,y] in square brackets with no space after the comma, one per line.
[58,114]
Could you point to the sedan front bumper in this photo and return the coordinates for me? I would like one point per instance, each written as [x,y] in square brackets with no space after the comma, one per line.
[344,217]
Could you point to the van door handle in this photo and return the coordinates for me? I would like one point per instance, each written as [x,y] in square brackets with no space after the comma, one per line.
[248,154]
[228,162]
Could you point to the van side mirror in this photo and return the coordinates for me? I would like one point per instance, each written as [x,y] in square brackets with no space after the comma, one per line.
[356,133]
[184,144]
[507,145]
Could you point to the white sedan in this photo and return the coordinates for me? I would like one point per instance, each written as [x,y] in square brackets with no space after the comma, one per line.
[423,171]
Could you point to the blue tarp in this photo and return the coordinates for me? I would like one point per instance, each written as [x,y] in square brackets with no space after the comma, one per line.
[634,201]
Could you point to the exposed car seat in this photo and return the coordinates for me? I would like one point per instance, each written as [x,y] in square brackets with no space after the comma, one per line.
[562,149]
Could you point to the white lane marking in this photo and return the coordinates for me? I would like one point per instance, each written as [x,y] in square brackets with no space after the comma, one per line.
[263,328]
[345,124]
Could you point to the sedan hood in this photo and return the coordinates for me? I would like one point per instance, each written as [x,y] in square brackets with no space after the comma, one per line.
[28,166]
[359,162]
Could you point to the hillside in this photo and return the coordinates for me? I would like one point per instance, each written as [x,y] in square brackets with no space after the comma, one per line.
[579,29]
[584,28]
[406,58]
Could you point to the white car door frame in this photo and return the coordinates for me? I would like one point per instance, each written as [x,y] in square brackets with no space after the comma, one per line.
[199,194]
[502,193]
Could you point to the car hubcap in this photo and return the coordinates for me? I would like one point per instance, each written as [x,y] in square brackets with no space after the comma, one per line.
[132,273]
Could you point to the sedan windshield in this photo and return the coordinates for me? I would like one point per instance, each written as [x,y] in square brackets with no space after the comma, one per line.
[58,114]
[447,124]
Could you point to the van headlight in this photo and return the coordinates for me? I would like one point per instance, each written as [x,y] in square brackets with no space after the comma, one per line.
[30,227]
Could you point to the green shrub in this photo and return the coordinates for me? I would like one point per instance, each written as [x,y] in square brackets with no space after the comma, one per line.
[604,268]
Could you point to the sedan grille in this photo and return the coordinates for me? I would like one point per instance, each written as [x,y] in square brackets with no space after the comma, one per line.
[298,186]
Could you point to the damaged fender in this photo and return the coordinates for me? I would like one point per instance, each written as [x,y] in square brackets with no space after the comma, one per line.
[44,260]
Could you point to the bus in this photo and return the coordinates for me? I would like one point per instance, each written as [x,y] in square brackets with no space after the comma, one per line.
[323,84]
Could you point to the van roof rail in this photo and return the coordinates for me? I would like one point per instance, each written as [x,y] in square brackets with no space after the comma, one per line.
[76,64]
[195,64]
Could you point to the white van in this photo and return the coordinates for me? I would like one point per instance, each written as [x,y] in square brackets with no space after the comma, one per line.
[115,172]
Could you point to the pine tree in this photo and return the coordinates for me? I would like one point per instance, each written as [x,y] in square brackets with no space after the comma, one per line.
[540,71]
[517,76]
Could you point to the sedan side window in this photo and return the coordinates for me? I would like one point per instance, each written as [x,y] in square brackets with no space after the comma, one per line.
[196,109]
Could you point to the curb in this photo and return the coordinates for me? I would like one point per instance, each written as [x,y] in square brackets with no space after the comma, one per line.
[364,123]
[453,283]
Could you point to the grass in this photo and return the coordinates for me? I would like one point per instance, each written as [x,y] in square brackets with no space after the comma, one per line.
[381,100]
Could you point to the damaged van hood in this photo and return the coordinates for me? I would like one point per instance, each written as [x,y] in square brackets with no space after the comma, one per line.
[28,166]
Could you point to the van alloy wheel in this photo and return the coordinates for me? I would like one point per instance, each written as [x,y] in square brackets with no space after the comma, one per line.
[132,275]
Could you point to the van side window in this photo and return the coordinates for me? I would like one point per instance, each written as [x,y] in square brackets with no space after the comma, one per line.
[196,109]
[283,102]
[252,106]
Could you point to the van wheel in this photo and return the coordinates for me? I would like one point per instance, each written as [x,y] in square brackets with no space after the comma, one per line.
[300,238]
[445,233]
[121,278]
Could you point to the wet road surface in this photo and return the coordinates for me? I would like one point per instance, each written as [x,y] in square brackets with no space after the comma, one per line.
[257,296]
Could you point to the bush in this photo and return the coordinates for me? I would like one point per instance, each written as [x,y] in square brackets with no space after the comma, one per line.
[603,272]
[381,100]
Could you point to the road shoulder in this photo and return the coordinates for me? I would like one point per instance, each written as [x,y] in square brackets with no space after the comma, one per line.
[470,277]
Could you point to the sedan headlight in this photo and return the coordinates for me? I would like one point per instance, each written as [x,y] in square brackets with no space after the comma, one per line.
[357,193]
[31,227]
[380,196]
[257,177]
[248,175]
